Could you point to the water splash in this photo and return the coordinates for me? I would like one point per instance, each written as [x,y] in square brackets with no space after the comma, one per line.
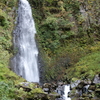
[66,91]
[24,63]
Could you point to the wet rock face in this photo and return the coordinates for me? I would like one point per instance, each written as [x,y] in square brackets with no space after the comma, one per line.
[75,84]
[46,90]
[92,87]
[56,90]
[49,87]
[46,87]
[80,83]
[86,89]
[96,79]
[96,86]
[60,90]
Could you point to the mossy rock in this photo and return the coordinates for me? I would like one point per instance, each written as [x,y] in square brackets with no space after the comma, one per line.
[74,79]
[97,92]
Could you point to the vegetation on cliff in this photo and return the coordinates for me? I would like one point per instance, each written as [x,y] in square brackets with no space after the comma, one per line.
[12,85]
[67,30]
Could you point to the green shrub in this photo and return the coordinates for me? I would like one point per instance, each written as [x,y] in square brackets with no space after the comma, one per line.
[88,66]
[9,3]
[7,90]
[3,19]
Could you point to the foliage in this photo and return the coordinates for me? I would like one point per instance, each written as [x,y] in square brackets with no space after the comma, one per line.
[7,90]
[65,32]
[53,31]
[37,90]
[6,27]
[72,5]
[9,3]
[88,64]
[3,19]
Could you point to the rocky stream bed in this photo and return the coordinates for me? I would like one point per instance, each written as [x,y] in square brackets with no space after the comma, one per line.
[80,90]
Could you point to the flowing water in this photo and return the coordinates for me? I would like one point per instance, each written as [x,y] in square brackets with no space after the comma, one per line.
[63,91]
[24,63]
[66,91]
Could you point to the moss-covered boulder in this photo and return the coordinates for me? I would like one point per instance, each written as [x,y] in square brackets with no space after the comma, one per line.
[28,90]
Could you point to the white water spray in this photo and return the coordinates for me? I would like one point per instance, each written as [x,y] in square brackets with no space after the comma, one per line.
[66,91]
[24,63]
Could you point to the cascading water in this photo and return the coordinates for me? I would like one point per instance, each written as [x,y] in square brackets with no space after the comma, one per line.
[66,91]
[63,91]
[24,63]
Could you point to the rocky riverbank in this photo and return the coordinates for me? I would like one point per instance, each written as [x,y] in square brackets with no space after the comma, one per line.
[80,90]
[86,89]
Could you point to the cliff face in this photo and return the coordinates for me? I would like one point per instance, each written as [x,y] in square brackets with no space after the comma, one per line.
[89,11]
[67,31]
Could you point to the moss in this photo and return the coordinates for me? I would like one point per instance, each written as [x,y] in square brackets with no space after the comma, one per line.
[7,75]
[74,79]
[37,90]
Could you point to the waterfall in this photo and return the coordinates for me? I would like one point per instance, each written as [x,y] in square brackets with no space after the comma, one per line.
[66,91]
[24,63]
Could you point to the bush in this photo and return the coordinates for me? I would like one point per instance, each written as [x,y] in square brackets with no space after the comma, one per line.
[6,90]
[3,19]
[88,66]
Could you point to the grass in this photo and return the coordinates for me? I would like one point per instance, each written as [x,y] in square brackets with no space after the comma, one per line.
[88,64]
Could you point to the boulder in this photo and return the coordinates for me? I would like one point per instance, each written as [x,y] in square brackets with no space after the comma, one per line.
[60,90]
[97,92]
[92,87]
[74,93]
[85,89]
[60,83]
[74,84]
[96,79]
[54,86]
[53,96]
[46,90]
[81,85]
[46,85]
[27,86]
